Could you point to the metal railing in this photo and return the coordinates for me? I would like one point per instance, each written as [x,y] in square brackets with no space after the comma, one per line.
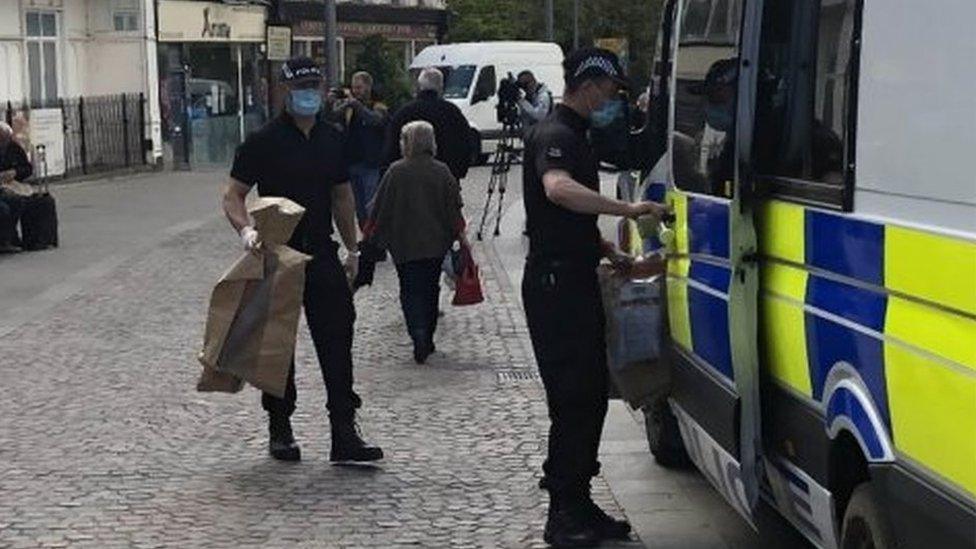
[101,133]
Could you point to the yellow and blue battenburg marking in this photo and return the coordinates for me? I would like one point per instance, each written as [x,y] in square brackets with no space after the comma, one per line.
[894,305]
[699,281]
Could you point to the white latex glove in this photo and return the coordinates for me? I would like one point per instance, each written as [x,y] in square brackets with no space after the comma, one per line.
[351,266]
[250,238]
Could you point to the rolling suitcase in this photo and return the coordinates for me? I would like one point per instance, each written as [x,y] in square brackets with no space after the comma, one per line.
[39,222]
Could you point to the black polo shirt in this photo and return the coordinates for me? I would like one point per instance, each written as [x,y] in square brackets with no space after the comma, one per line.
[560,143]
[281,161]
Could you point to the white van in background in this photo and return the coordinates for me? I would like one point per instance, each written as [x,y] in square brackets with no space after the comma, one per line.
[472,71]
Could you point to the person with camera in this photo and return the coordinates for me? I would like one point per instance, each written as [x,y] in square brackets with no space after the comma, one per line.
[451,128]
[535,104]
[561,292]
[365,121]
[301,157]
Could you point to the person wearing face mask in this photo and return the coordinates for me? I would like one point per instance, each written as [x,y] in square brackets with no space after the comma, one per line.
[301,157]
[561,292]
[716,154]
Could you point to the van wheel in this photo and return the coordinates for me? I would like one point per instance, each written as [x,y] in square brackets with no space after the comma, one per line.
[866,524]
[664,437]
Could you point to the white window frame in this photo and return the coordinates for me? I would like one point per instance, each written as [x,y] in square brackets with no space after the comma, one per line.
[127,8]
[41,40]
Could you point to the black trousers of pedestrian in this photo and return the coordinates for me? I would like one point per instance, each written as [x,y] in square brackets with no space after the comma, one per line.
[420,292]
[566,324]
[330,314]
[11,208]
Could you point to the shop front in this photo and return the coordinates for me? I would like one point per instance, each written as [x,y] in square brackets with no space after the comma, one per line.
[407,30]
[212,78]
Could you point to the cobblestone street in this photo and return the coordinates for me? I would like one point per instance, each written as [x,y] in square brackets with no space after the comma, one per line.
[105,443]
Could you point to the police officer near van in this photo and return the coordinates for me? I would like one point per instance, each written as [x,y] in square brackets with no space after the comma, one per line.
[301,157]
[561,292]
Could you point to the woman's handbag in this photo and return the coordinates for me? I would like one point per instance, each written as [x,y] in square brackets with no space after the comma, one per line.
[468,291]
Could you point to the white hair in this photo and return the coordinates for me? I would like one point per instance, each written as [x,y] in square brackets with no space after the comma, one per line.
[417,138]
[364,76]
[431,79]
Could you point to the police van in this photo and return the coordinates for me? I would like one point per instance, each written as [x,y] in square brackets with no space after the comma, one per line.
[820,160]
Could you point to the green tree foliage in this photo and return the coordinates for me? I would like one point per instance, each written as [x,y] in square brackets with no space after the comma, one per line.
[635,20]
[384,61]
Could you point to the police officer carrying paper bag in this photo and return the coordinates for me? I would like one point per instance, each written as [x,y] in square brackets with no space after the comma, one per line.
[300,157]
[561,292]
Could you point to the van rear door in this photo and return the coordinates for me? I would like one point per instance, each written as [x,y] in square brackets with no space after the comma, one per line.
[713,278]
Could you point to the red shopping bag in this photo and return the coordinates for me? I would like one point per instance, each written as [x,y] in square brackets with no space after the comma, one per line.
[468,290]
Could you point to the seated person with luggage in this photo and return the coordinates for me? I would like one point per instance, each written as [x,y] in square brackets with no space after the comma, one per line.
[14,168]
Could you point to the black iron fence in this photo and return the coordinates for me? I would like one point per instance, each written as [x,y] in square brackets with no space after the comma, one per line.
[101,133]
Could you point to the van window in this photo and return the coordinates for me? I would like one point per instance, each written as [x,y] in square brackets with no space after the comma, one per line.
[805,100]
[457,80]
[486,85]
[703,145]
[712,21]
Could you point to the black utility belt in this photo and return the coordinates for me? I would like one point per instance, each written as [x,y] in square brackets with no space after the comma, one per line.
[318,249]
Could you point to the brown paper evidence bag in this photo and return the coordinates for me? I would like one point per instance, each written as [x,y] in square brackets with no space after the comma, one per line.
[253,316]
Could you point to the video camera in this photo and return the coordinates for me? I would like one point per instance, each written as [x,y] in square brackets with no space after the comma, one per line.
[509,93]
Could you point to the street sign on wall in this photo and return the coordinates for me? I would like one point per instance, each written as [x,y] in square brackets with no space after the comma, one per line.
[279,43]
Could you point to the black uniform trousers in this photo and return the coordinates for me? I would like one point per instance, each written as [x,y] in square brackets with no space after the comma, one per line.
[330,314]
[566,323]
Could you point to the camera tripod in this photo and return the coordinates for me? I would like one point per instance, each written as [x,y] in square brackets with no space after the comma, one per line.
[501,163]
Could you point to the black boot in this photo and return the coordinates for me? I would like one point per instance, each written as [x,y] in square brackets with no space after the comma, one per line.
[422,349]
[283,446]
[605,526]
[348,445]
[568,526]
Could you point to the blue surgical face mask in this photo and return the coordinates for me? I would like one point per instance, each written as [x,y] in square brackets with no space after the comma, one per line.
[608,112]
[719,117]
[304,102]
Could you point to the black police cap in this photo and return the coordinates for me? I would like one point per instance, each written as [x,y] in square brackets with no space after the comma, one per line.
[300,68]
[594,63]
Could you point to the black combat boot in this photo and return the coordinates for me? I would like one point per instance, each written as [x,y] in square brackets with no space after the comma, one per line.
[422,351]
[605,526]
[283,446]
[568,526]
[348,445]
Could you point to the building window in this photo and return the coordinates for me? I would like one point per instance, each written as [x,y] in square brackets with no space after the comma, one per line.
[125,15]
[42,56]
[804,104]
[126,21]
